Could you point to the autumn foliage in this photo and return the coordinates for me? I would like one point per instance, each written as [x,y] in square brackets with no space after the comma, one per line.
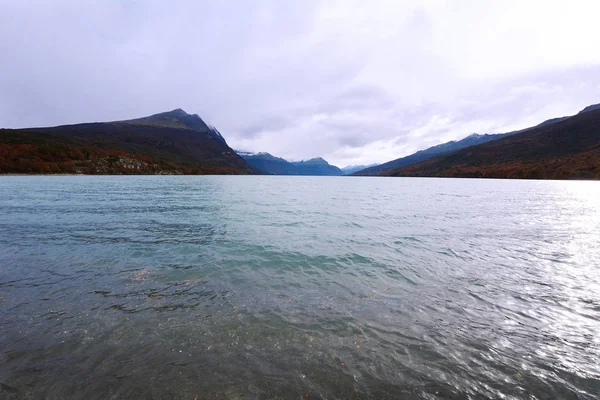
[115,148]
[569,149]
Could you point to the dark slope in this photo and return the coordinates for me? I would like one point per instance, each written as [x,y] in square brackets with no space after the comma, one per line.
[444,148]
[426,154]
[170,142]
[271,165]
[178,119]
[568,149]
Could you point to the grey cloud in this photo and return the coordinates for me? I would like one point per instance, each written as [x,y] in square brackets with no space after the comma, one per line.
[271,123]
[361,98]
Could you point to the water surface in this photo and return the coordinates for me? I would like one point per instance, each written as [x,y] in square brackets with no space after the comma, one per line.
[298,287]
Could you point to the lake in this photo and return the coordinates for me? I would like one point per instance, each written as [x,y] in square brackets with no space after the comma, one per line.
[273,287]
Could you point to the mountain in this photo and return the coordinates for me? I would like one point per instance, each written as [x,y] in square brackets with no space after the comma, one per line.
[268,164]
[567,149]
[271,165]
[173,142]
[444,148]
[428,153]
[350,169]
[317,166]
[178,119]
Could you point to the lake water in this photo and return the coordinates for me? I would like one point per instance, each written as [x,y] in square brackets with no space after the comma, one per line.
[213,287]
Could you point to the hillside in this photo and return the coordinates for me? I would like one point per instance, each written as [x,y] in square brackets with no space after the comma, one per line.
[171,142]
[428,153]
[271,165]
[567,149]
[444,148]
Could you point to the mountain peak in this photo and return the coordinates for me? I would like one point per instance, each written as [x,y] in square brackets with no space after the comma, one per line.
[178,119]
[316,160]
[262,155]
[178,112]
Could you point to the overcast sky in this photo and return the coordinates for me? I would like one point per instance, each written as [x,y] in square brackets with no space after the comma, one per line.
[353,81]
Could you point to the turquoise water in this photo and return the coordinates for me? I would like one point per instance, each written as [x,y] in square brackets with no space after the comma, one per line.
[298,287]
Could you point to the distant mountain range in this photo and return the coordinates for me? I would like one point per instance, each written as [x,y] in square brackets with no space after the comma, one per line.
[444,148]
[567,148]
[271,165]
[176,142]
[350,169]
[317,166]
[428,153]
[173,142]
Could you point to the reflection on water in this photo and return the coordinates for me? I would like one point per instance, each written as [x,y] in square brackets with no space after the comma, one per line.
[297,287]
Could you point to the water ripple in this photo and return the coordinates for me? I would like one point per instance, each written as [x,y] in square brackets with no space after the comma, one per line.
[288,287]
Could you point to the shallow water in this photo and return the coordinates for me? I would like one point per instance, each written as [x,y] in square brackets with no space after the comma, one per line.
[298,287]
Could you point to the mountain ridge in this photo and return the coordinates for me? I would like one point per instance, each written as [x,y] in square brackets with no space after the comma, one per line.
[272,165]
[428,153]
[567,149]
[445,148]
[169,142]
[176,142]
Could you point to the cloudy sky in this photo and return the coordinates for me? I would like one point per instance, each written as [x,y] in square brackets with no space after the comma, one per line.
[353,81]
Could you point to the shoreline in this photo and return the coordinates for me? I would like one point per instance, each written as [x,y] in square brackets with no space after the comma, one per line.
[322,176]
